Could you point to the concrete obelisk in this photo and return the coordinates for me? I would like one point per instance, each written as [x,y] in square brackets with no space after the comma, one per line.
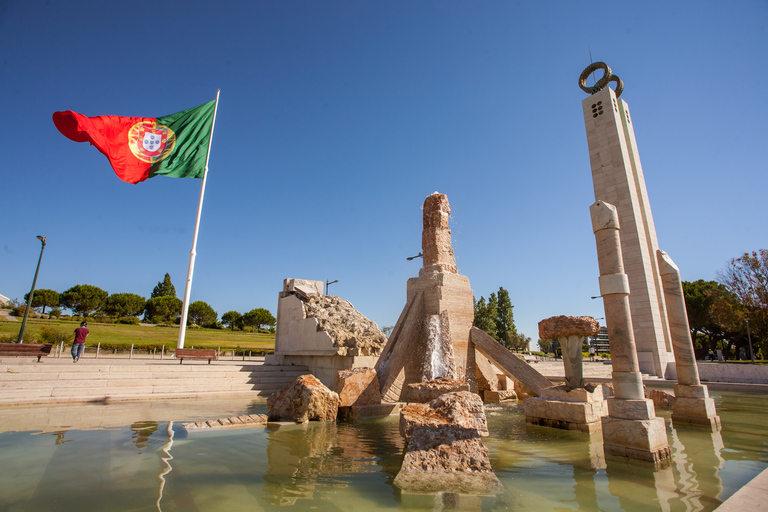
[618,179]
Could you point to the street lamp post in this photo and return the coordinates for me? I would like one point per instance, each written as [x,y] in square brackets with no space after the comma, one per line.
[749,337]
[32,291]
[329,283]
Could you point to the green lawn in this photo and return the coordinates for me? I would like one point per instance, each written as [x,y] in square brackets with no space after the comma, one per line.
[121,336]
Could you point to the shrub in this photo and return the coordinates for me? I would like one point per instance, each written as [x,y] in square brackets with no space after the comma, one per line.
[54,313]
[53,335]
[130,320]
[8,338]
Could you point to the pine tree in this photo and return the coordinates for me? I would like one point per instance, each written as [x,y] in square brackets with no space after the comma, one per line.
[164,288]
[505,320]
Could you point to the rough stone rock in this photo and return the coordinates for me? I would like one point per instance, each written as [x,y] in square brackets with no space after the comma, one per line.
[353,333]
[660,398]
[423,392]
[436,236]
[561,326]
[462,409]
[306,398]
[358,386]
[499,396]
[447,458]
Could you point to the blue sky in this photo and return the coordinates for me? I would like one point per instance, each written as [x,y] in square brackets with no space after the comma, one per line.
[338,118]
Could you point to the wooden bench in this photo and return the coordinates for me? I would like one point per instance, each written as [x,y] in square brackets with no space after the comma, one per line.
[24,349]
[196,353]
[530,359]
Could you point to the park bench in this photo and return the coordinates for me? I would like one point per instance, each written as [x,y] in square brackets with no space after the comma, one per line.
[25,349]
[530,359]
[196,353]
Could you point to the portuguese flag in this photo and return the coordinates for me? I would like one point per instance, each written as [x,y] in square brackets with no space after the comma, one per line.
[143,147]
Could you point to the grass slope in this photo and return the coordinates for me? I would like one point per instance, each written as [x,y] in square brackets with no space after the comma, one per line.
[121,336]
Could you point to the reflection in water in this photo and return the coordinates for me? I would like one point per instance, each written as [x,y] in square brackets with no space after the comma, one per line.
[166,449]
[142,431]
[60,436]
[351,467]
[315,459]
[698,466]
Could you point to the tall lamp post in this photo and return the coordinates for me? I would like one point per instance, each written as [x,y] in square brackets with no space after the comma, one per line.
[329,283]
[32,291]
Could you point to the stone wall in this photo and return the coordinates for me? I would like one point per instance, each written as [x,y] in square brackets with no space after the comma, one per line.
[725,372]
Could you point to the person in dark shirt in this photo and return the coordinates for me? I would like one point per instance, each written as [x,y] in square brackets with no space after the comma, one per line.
[77,347]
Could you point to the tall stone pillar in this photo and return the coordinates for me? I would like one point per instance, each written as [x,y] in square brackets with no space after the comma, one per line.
[631,428]
[692,402]
[617,177]
[444,290]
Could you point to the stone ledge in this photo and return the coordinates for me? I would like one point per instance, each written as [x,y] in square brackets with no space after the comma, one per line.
[358,412]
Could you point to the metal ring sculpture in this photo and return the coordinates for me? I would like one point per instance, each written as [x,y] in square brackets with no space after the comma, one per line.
[601,84]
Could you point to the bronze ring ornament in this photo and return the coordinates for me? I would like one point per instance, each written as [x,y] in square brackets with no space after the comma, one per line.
[601,84]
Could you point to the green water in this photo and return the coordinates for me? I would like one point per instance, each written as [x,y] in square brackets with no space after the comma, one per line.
[139,458]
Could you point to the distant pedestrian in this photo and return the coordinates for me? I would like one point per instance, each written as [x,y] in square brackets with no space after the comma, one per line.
[77,347]
[711,355]
[591,353]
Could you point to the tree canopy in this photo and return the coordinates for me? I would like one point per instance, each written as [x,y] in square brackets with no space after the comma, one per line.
[200,313]
[163,309]
[83,299]
[258,317]
[42,298]
[747,278]
[124,304]
[496,317]
[485,315]
[231,319]
[164,288]
[505,320]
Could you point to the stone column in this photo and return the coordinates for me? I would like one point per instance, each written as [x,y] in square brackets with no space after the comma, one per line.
[436,236]
[631,428]
[692,402]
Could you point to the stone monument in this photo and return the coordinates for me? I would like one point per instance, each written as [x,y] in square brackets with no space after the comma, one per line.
[323,332]
[576,405]
[631,428]
[692,402]
[431,338]
[434,339]
[618,179]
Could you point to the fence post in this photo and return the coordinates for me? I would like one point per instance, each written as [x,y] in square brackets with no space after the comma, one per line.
[98,349]
[249,355]
[131,356]
[162,354]
[154,351]
[61,349]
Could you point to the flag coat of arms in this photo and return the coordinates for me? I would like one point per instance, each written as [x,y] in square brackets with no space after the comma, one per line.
[143,147]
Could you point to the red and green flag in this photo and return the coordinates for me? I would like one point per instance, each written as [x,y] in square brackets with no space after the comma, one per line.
[143,147]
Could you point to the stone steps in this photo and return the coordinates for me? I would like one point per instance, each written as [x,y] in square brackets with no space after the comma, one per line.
[58,380]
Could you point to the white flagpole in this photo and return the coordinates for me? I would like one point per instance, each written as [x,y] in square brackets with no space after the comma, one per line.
[193,252]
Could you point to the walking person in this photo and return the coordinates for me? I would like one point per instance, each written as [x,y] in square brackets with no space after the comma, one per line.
[79,344]
[591,353]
